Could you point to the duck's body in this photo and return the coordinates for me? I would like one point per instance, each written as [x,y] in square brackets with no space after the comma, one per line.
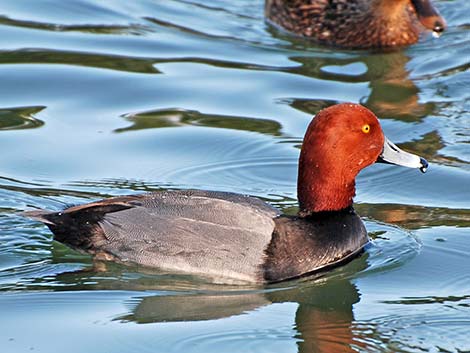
[356,23]
[236,238]
[224,236]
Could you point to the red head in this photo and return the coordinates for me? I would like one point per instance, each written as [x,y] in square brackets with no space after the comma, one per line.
[340,141]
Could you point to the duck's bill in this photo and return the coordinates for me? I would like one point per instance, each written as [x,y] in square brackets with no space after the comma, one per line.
[428,16]
[393,155]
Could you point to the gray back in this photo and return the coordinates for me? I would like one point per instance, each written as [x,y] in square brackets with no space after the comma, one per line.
[215,234]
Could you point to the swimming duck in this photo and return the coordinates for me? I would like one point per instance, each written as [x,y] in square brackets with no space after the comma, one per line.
[235,238]
[356,23]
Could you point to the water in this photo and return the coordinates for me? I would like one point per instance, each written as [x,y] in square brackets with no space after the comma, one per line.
[110,98]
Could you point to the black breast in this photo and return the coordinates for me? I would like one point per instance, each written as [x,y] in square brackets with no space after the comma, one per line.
[302,246]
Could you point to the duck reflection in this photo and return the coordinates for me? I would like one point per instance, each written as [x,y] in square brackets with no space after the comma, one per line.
[392,92]
[324,319]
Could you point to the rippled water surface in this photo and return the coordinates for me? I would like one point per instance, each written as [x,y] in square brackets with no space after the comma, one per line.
[102,98]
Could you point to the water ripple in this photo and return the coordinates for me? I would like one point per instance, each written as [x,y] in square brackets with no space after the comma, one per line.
[390,248]
[430,331]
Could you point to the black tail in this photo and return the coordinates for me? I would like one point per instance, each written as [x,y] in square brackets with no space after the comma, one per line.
[43,216]
[79,226]
[76,232]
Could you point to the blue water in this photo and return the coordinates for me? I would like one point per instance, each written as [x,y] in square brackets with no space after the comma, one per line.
[110,98]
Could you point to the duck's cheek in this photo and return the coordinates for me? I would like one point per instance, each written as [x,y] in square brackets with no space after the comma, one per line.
[374,151]
[363,162]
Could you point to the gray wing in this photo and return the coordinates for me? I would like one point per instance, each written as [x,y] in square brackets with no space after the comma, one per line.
[220,235]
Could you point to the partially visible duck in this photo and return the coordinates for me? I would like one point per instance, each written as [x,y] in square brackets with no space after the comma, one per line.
[236,238]
[356,23]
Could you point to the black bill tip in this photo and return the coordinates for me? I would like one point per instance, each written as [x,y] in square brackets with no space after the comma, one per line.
[439,27]
[424,165]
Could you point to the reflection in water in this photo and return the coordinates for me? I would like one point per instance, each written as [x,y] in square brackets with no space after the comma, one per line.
[181,117]
[463,300]
[415,217]
[309,106]
[20,118]
[111,62]
[430,146]
[192,307]
[97,29]
[392,93]
[324,319]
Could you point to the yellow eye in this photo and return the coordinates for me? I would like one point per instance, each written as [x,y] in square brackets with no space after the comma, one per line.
[366,128]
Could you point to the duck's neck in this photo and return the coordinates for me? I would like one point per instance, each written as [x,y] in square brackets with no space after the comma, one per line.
[323,189]
[326,178]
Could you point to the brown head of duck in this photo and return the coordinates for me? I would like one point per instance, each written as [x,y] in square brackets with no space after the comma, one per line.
[357,23]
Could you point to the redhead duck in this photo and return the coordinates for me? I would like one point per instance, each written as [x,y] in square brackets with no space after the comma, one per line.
[356,23]
[236,238]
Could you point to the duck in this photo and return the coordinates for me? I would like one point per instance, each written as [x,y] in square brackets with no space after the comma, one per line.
[356,24]
[239,239]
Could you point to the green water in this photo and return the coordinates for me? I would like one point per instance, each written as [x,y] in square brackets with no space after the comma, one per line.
[111,98]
